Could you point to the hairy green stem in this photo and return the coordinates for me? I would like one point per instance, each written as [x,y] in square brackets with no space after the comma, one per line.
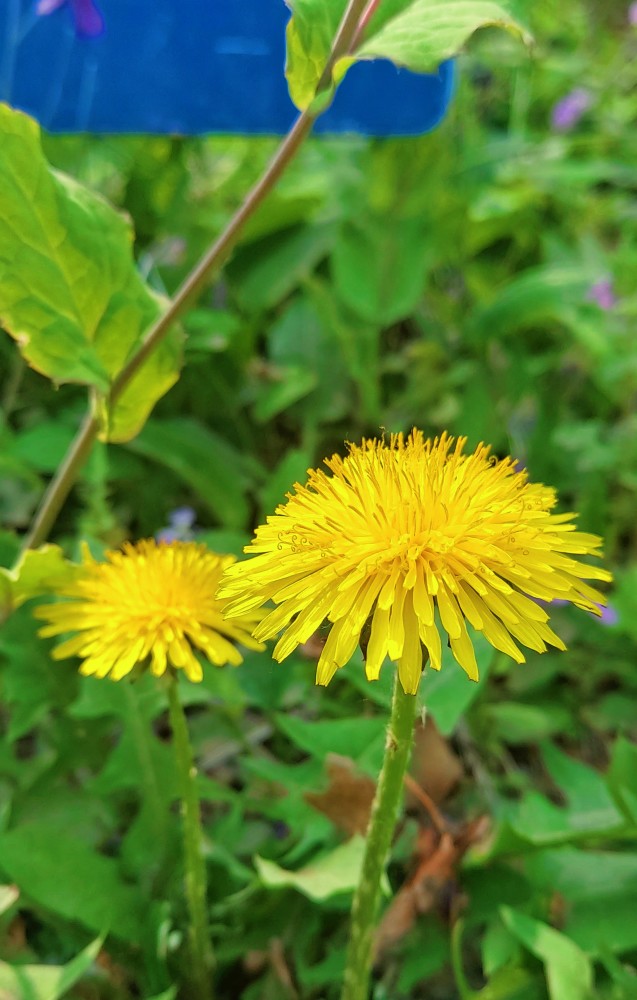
[61,485]
[201,954]
[379,836]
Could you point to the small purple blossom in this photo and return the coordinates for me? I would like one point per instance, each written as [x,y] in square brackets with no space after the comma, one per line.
[567,112]
[89,22]
[632,15]
[180,525]
[603,294]
[608,616]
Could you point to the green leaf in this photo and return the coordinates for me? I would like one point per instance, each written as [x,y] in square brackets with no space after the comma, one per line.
[39,571]
[517,724]
[590,808]
[568,969]
[599,888]
[379,270]
[348,737]
[333,873]
[285,387]
[448,693]
[46,982]
[309,37]
[266,271]
[418,34]
[70,293]
[509,983]
[215,471]
[548,294]
[622,777]
[61,873]
[31,682]
[590,804]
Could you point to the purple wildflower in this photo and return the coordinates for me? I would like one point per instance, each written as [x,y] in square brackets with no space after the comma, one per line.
[180,524]
[568,111]
[89,22]
[632,15]
[183,517]
[609,615]
[603,294]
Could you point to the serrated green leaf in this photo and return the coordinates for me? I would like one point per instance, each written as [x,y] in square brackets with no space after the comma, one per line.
[420,34]
[70,293]
[417,34]
[333,873]
[569,972]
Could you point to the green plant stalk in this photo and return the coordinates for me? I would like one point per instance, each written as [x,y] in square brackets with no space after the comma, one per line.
[80,448]
[201,953]
[379,836]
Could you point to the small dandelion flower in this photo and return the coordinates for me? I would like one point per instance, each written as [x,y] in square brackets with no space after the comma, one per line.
[150,602]
[407,540]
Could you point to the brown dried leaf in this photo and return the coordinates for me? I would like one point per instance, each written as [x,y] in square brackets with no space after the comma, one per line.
[435,766]
[432,885]
[347,801]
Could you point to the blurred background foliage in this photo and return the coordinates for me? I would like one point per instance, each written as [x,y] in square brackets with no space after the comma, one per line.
[479,279]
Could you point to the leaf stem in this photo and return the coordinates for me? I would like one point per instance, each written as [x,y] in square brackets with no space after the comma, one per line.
[368,14]
[62,483]
[379,836]
[201,954]
[79,450]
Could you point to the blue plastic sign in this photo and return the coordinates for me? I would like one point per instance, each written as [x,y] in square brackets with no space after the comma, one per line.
[187,67]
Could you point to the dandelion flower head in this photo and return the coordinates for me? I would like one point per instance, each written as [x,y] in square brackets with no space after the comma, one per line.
[407,540]
[150,603]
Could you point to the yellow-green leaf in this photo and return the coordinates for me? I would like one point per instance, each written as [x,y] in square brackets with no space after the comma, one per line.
[70,293]
[418,34]
[335,872]
[39,571]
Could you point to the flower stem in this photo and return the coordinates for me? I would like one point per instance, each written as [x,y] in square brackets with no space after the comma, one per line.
[208,266]
[201,954]
[379,836]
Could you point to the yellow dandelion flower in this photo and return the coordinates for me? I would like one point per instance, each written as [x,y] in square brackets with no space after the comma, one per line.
[408,539]
[153,602]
